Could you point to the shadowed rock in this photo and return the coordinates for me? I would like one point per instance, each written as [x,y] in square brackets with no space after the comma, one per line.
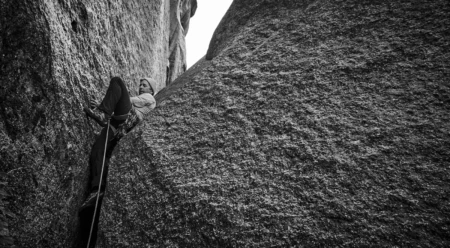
[54,55]
[315,123]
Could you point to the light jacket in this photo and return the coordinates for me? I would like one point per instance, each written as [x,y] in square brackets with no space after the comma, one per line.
[143,104]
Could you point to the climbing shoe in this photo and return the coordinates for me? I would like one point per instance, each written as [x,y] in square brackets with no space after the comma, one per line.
[91,200]
[99,116]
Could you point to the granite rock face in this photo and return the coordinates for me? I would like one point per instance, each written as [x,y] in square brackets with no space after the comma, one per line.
[180,15]
[54,55]
[313,123]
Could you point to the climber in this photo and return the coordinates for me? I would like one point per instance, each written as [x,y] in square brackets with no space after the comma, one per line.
[124,113]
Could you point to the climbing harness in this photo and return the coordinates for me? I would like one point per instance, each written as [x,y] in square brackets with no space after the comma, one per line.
[99,188]
[123,117]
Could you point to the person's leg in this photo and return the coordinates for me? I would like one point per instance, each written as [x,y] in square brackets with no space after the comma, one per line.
[96,159]
[116,99]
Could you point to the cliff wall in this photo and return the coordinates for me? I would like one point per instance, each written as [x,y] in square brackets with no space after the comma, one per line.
[54,55]
[309,123]
[313,123]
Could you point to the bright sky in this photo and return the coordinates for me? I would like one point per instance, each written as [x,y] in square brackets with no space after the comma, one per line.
[202,26]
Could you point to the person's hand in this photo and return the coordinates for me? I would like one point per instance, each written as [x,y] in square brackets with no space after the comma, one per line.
[93,103]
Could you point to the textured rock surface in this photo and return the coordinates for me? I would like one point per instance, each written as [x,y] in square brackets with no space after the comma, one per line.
[180,15]
[316,123]
[54,54]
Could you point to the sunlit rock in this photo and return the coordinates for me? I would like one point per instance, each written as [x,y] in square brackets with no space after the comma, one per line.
[180,15]
[314,123]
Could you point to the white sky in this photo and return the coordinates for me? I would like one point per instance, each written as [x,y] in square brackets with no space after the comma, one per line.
[202,26]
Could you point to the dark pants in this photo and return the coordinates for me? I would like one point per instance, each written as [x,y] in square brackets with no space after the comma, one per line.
[117,102]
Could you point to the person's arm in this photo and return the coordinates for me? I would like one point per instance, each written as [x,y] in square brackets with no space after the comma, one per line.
[142,100]
[143,104]
[93,103]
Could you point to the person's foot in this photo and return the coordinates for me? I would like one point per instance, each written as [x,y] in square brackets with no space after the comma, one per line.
[91,200]
[99,116]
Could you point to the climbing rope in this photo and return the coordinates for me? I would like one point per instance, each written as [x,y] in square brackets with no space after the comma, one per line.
[99,188]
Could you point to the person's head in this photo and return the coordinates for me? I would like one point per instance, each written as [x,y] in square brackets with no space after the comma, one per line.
[147,85]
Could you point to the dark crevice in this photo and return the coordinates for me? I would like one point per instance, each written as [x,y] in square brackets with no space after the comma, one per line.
[75,26]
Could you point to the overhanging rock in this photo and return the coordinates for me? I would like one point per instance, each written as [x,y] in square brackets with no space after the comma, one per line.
[317,124]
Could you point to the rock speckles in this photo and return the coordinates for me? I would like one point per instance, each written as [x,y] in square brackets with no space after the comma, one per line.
[313,125]
[54,55]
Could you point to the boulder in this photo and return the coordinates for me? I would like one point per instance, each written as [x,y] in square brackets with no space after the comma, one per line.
[311,123]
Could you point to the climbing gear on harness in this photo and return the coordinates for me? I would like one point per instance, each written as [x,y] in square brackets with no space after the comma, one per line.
[130,122]
[99,116]
[99,188]
[123,118]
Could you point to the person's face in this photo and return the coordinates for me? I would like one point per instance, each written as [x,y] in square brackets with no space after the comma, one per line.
[144,87]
